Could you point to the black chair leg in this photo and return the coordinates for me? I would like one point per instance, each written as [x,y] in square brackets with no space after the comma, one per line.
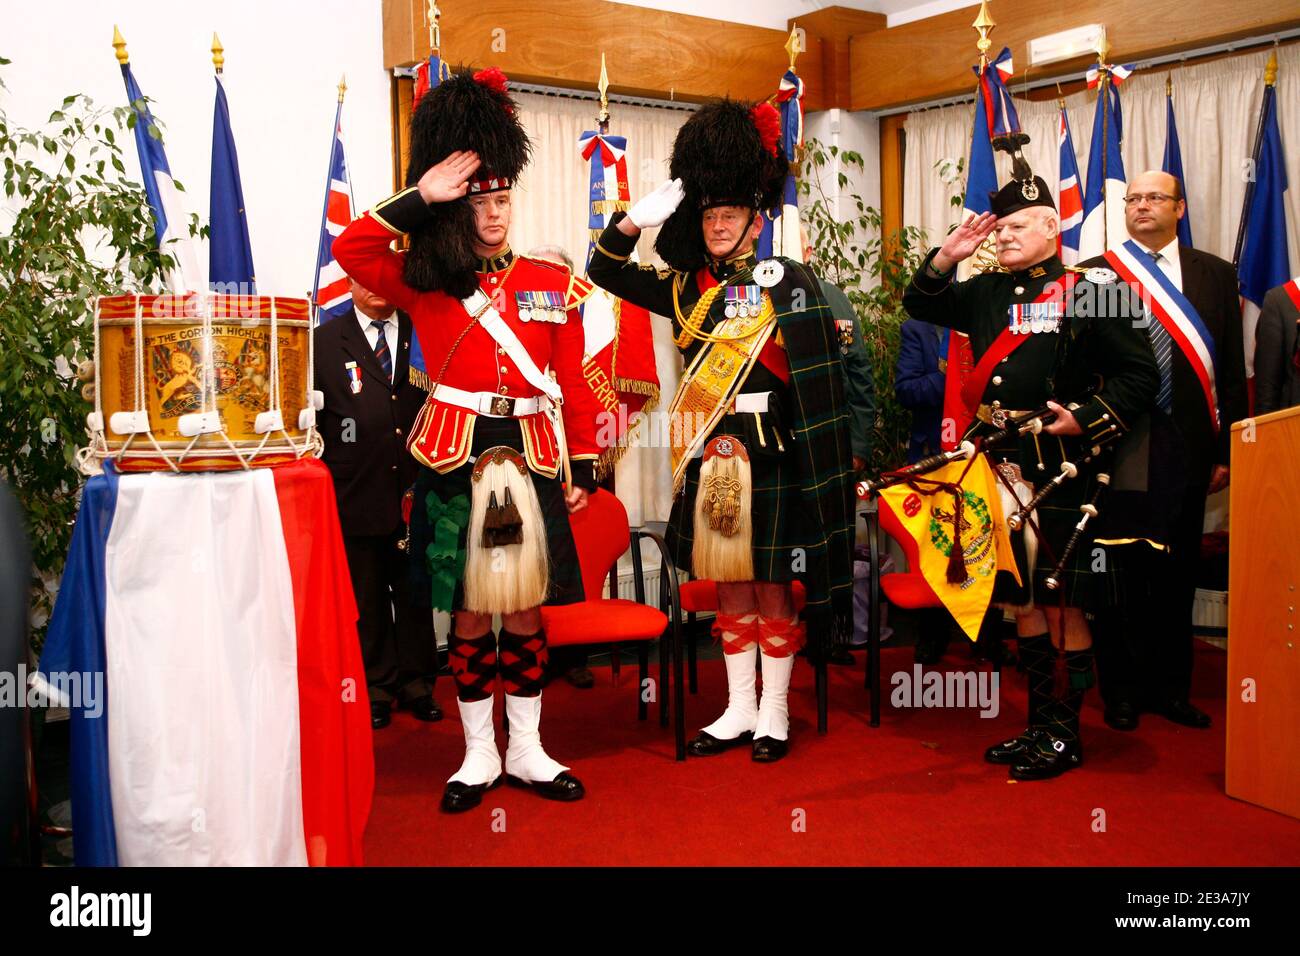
[643,674]
[615,662]
[691,651]
[663,680]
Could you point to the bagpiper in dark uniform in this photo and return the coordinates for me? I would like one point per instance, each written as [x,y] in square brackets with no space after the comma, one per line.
[762,399]
[489,528]
[1040,336]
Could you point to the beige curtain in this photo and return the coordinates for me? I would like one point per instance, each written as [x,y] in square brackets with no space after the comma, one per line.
[1217,108]
[551,209]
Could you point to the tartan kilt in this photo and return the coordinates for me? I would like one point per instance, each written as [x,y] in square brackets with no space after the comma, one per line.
[776,513]
[566,575]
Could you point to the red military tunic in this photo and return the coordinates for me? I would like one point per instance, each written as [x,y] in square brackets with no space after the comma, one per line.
[462,354]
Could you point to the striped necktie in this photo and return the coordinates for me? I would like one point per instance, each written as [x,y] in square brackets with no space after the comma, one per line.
[1163,347]
[381,350]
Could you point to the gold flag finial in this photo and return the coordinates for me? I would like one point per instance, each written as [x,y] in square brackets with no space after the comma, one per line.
[603,86]
[343,86]
[1103,49]
[1270,69]
[119,46]
[1060,97]
[218,53]
[984,24]
[1169,84]
[431,15]
[794,45]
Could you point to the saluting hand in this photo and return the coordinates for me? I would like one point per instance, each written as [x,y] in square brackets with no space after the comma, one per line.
[450,178]
[964,240]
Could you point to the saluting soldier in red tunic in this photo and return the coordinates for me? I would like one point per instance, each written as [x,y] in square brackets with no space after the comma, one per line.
[508,414]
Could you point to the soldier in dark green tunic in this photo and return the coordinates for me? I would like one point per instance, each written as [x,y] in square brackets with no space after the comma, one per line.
[1041,335]
[775,394]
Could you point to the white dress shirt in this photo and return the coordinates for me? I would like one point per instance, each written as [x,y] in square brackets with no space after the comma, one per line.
[1168,262]
[372,334]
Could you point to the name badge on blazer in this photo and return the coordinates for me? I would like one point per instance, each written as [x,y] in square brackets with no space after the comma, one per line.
[354,377]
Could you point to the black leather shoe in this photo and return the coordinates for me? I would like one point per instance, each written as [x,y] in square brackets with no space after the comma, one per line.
[459,797]
[580,677]
[1048,758]
[1181,711]
[381,714]
[1121,715]
[706,745]
[1013,750]
[769,749]
[425,708]
[564,787]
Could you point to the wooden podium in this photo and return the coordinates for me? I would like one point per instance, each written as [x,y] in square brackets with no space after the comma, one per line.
[1263,745]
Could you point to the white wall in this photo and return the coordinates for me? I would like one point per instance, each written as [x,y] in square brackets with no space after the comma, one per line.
[859,132]
[283,63]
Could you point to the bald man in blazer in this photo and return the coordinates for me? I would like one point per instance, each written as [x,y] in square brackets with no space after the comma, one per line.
[1149,665]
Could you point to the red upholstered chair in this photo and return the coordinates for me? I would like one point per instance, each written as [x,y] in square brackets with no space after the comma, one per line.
[602,535]
[905,589]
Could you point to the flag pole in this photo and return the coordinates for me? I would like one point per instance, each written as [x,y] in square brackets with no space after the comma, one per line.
[602,117]
[329,176]
[1270,79]
[1103,89]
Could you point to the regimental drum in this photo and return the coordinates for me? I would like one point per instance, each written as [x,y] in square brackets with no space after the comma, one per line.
[202,382]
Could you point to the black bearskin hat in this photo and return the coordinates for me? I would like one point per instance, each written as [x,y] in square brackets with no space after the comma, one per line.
[467,111]
[727,154]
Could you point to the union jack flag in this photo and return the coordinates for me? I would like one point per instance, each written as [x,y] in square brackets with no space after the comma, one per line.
[1071,197]
[333,293]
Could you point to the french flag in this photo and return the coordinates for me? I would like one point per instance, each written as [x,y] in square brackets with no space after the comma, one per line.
[1103,197]
[333,293]
[170,228]
[215,612]
[1069,196]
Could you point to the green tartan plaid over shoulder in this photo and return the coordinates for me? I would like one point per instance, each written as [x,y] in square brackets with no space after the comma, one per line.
[821,431]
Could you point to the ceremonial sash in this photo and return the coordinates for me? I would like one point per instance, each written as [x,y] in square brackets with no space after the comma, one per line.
[480,305]
[772,356]
[1008,341]
[1292,288]
[1172,309]
[713,379]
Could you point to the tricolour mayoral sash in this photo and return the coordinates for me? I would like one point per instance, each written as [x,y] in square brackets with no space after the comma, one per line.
[716,375]
[1172,310]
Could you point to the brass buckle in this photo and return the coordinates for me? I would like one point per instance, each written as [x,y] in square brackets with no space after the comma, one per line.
[999,417]
[502,406]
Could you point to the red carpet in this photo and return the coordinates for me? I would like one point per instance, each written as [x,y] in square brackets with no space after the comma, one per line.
[913,791]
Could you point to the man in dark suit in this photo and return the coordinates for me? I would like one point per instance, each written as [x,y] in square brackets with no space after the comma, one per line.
[362,367]
[918,383]
[1151,668]
[1277,353]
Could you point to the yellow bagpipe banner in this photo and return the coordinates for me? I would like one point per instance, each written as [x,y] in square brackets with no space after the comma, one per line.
[985,543]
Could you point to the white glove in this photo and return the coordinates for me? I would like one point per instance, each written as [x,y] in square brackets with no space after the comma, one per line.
[654,209]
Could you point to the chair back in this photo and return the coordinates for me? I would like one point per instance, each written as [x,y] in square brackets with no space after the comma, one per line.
[894,528]
[601,533]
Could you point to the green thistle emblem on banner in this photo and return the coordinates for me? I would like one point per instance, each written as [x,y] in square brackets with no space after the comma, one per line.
[941,521]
